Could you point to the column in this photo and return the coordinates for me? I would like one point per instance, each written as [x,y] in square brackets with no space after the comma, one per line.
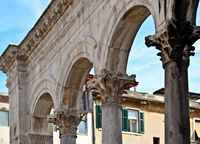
[110,86]
[175,46]
[67,120]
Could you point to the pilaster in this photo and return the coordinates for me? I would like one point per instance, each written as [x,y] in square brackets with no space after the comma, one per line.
[17,85]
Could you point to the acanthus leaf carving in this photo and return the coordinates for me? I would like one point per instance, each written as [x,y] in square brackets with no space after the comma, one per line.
[175,41]
[67,120]
[111,86]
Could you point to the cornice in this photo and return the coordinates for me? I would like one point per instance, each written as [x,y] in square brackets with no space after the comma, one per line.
[8,57]
[42,27]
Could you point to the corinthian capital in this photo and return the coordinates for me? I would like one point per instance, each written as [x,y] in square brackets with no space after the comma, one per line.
[66,119]
[110,85]
[175,41]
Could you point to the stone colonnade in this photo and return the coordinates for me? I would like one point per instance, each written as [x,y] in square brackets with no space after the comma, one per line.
[175,46]
[110,86]
[100,32]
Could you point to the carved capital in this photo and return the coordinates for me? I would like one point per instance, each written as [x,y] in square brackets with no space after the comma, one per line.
[67,121]
[110,86]
[175,41]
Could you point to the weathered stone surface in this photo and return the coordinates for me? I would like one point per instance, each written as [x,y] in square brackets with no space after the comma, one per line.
[39,139]
[72,36]
[110,86]
[67,121]
[175,46]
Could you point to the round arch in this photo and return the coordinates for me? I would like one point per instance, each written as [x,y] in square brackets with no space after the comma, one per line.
[193,72]
[42,108]
[122,34]
[75,82]
[74,70]
[42,87]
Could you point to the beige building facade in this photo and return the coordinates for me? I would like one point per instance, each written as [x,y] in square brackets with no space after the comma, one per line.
[4,119]
[152,107]
[136,103]
[49,68]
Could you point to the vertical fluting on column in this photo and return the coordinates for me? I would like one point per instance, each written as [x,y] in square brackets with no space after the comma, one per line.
[110,86]
[175,45]
[67,121]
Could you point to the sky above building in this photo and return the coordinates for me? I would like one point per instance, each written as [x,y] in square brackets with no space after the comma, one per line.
[19,16]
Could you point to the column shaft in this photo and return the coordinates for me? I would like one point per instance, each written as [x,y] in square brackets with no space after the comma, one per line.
[111,124]
[177,126]
[175,45]
[66,139]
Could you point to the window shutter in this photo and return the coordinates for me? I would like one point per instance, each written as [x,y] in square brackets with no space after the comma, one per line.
[124,120]
[141,122]
[98,116]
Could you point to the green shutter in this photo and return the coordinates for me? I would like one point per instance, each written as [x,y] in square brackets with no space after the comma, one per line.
[124,120]
[141,122]
[98,116]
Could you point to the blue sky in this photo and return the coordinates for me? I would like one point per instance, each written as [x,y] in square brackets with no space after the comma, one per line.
[19,16]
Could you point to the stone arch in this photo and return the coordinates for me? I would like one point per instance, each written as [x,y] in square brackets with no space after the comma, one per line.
[122,34]
[43,86]
[40,131]
[75,81]
[42,109]
[77,65]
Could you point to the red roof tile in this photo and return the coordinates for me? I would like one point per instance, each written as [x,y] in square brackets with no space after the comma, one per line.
[4,99]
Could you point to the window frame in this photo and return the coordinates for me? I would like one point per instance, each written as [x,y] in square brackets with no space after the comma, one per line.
[194,127]
[4,110]
[138,122]
[125,125]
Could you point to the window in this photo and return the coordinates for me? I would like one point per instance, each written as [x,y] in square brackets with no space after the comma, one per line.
[98,116]
[197,129]
[156,140]
[4,118]
[82,128]
[133,121]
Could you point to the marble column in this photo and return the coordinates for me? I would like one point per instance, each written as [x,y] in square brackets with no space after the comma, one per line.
[67,121]
[175,45]
[110,86]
